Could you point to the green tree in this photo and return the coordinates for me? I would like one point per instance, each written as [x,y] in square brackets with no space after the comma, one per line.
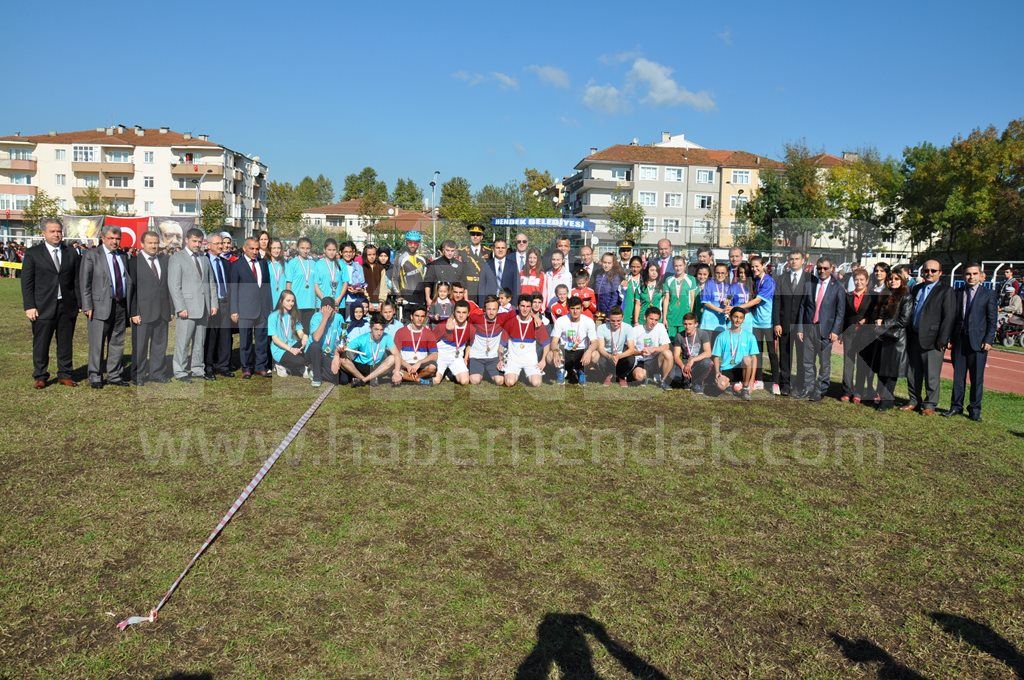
[626,217]
[41,207]
[536,203]
[365,183]
[324,190]
[457,202]
[791,206]
[90,202]
[407,195]
[863,194]
[213,216]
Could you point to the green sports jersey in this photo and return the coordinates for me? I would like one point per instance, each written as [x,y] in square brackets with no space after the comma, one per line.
[647,296]
[680,295]
[629,299]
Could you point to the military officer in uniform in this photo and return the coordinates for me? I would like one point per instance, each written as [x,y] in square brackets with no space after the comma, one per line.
[625,253]
[473,257]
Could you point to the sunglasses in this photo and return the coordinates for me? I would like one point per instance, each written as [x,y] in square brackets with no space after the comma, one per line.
[522,241]
[823,269]
[931,271]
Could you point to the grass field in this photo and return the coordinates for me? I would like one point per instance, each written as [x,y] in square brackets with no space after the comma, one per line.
[472,533]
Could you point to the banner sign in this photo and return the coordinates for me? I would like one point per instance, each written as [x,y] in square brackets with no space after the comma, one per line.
[172,230]
[563,223]
[78,227]
[132,229]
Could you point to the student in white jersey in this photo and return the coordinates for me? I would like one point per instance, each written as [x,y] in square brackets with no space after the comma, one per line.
[611,350]
[651,344]
[571,338]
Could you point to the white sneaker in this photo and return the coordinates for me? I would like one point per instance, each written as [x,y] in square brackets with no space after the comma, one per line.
[758,385]
[736,387]
[281,371]
[307,374]
[315,383]
[775,390]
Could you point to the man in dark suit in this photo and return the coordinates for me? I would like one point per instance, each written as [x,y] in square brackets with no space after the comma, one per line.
[498,271]
[251,304]
[105,288]
[974,331]
[150,310]
[930,328]
[789,296]
[217,349]
[821,322]
[50,296]
[586,263]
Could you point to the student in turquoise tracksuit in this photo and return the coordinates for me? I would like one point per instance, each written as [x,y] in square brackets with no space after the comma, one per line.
[331,278]
[278,274]
[299,274]
[287,337]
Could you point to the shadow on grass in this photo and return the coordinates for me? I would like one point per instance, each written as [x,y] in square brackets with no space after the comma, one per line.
[981,637]
[864,651]
[562,642]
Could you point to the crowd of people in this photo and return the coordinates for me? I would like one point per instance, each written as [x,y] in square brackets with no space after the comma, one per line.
[504,313]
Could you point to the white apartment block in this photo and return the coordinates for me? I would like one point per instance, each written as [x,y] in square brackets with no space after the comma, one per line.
[141,171]
[690,194]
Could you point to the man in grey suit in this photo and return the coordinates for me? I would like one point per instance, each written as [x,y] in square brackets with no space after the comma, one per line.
[150,310]
[105,286]
[191,285]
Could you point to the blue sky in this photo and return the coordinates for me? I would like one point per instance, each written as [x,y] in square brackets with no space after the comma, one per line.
[485,89]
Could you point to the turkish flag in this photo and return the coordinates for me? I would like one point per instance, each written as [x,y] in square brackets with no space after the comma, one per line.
[132,229]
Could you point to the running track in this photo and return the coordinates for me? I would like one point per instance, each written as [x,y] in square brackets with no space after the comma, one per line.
[1004,371]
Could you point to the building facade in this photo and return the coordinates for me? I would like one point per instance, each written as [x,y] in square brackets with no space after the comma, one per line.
[346,216]
[140,171]
[690,194]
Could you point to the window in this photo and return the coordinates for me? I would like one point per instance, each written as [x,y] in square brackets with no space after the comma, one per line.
[705,177]
[671,226]
[737,202]
[621,174]
[121,206]
[185,183]
[148,206]
[61,180]
[83,154]
[702,227]
[738,228]
[20,154]
[703,201]
[648,224]
[674,175]
[21,178]
[147,157]
[90,181]
[673,200]
[117,182]
[60,154]
[119,156]
[62,204]
[741,176]
[147,182]
[187,208]
[648,198]
[649,173]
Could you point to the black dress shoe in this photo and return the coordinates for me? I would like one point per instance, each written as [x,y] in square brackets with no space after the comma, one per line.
[160,379]
[227,374]
[96,385]
[976,417]
[784,391]
[952,412]
[814,396]
[209,376]
[120,383]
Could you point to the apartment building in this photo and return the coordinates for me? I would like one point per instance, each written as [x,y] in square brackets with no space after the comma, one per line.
[140,171]
[690,194]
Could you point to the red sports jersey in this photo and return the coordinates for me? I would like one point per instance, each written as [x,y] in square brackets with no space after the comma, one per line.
[558,309]
[519,331]
[415,346]
[456,338]
[589,298]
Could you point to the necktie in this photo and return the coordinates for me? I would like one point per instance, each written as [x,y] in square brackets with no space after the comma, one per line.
[822,285]
[792,279]
[501,265]
[118,282]
[199,267]
[922,296]
[252,265]
[152,265]
[968,301]
[56,261]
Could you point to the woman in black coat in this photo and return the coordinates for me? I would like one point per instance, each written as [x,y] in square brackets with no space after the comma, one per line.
[893,316]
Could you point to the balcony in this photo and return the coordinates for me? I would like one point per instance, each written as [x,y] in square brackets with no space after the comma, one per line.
[239,176]
[190,195]
[17,189]
[107,192]
[196,169]
[25,164]
[614,184]
[105,167]
[257,204]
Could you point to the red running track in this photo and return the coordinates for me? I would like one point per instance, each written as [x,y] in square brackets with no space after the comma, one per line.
[1004,371]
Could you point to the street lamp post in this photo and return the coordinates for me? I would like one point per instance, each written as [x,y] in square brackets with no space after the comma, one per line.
[433,212]
[199,205]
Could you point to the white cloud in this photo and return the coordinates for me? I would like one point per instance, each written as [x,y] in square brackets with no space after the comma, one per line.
[519,148]
[552,75]
[662,89]
[619,57]
[606,98]
[571,122]
[505,81]
[471,78]
[725,36]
